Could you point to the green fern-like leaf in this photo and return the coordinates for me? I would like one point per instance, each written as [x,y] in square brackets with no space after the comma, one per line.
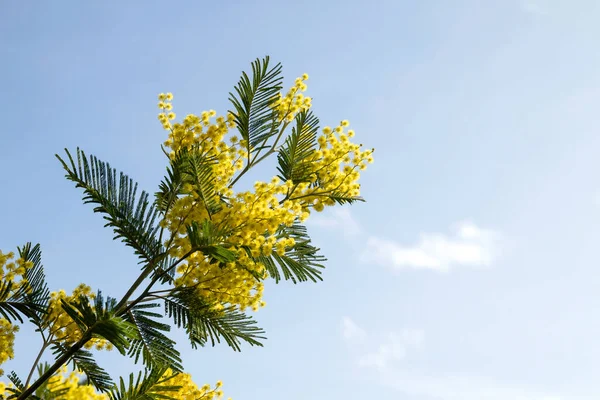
[170,187]
[207,238]
[253,101]
[193,167]
[37,294]
[13,302]
[343,198]
[294,157]
[31,298]
[15,380]
[132,217]
[151,385]
[203,324]
[100,320]
[84,361]
[197,169]
[302,262]
[155,348]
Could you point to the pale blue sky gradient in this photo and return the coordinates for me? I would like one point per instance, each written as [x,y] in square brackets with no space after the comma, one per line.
[480,111]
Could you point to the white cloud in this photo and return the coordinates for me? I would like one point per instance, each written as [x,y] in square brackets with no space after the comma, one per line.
[394,348]
[340,219]
[468,246]
[351,331]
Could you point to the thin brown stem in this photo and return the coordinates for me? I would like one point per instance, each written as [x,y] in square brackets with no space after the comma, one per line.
[37,360]
[60,361]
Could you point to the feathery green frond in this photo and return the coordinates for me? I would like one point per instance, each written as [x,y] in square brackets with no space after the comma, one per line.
[302,262]
[164,271]
[37,293]
[342,198]
[204,324]
[13,303]
[18,388]
[84,361]
[193,167]
[149,386]
[155,348]
[293,157]
[197,170]
[101,321]
[132,217]
[30,298]
[254,116]
[15,380]
[170,187]
[207,238]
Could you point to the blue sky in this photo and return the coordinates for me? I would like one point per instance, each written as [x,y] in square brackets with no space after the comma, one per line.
[472,271]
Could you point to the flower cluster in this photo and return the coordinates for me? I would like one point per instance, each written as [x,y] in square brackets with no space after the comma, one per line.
[70,387]
[245,217]
[222,239]
[7,340]
[335,169]
[249,220]
[200,130]
[70,383]
[190,391]
[12,271]
[294,101]
[61,326]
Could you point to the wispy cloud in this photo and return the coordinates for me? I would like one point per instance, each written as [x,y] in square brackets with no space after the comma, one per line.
[469,245]
[339,218]
[597,198]
[351,331]
[386,360]
[460,387]
[393,348]
[535,7]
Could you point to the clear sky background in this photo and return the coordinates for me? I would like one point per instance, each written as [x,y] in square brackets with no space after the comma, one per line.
[472,271]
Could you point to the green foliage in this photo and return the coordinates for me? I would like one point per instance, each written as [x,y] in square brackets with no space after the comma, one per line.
[203,324]
[31,298]
[342,198]
[254,116]
[157,350]
[37,295]
[171,185]
[13,303]
[132,217]
[194,167]
[294,156]
[148,386]
[301,262]
[207,238]
[101,320]
[197,169]
[18,388]
[133,325]
[42,392]
[84,361]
